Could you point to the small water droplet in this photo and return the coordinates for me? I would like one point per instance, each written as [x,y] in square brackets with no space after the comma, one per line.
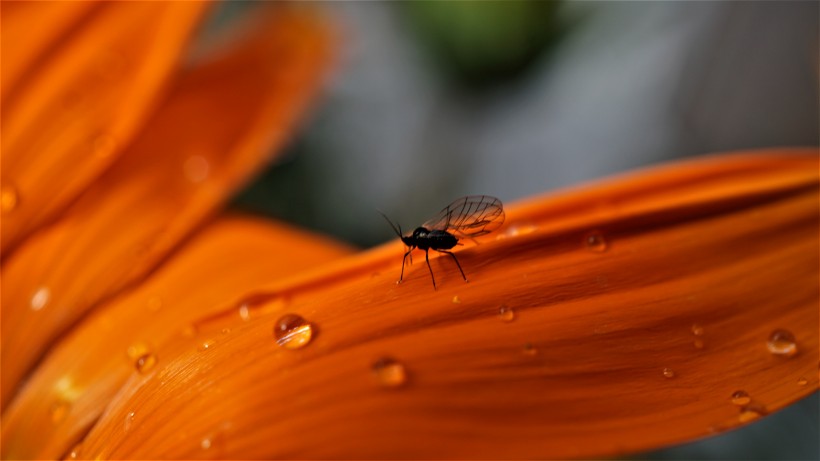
[59,410]
[76,451]
[104,145]
[699,344]
[781,342]
[751,412]
[456,300]
[506,313]
[802,381]
[205,443]
[292,331]
[530,349]
[145,362]
[244,312]
[207,344]
[595,241]
[136,350]
[129,420]
[196,168]
[697,330]
[668,373]
[8,198]
[741,398]
[516,229]
[389,372]
[225,331]
[154,303]
[40,298]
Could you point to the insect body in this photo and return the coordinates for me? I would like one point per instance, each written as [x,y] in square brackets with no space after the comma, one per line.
[467,217]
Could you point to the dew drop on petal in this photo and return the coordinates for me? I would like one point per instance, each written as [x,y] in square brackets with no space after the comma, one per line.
[741,398]
[207,344]
[595,241]
[389,372]
[40,298]
[530,349]
[244,312]
[8,198]
[456,300]
[129,420]
[196,168]
[697,330]
[782,343]
[292,331]
[506,313]
[205,444]
[136,350]
[59,410]
[802,381]
[145,362]
[668,373]
[76,451]
[751,412]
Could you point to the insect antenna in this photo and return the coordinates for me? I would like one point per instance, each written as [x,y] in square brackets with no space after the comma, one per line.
[396,230]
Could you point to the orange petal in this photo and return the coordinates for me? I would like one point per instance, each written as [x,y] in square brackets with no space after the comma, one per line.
[78,97]
[71,388]
[613,319]
[216,129]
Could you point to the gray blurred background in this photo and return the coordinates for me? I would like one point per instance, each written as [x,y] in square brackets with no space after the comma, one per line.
[429,101]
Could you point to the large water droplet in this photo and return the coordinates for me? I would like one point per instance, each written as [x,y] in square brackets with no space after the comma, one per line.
[781,342]
[741,398]
[196,168]
[145,362]
[292,331]
[389,372]
[595,241]
[668,373]
[751,412]
[8,198]
[506,313]
[40,298]
[59,410]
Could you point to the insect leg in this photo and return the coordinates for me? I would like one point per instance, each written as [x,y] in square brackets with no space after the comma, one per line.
[456,260]
[427,257]
[401,277]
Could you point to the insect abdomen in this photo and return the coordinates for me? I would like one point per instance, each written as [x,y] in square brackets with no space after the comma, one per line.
[440,240]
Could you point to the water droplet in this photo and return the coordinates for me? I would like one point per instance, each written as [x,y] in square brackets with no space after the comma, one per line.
[207,344]
[145,362]
[595,241]
[40,298]
[802,381]
[516,229]
[76,451]
[136,350]
[196,168]
[389,372]
[292,331]
[129,420]
[59,410]
[225,331]
[456,300]
[781,342]
[506,313]
[668,373]
[699,344]
[244,312]
[751,412]
[104,145]
[260,305]
[741,398]
[154,303]
[8,198]
[697,330]
[205,443]
[530,349]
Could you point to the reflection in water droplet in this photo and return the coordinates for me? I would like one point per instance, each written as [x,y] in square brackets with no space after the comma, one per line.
[207,344]
[196,168]
[104,145]
[59,410]
[595,241]
[697,330]
[529,349]
[40,298]
[145,362]
[782,342]
[456,300]
[517,228]
[129,420]
[506,313]
[154,303]
[8,198]
[802,381]
[668,373]
[389,372]
[292,331]
[741,398]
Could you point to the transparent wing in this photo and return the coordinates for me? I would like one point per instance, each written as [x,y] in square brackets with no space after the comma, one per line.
[469,216]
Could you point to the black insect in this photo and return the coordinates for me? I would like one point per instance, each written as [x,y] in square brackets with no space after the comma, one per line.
[467,217]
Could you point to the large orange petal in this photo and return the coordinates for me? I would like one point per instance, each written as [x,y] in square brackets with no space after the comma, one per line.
[215,130]
[613,319]
[76,98]
[73,385]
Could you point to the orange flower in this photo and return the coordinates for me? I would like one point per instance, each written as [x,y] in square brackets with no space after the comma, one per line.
[636,313]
